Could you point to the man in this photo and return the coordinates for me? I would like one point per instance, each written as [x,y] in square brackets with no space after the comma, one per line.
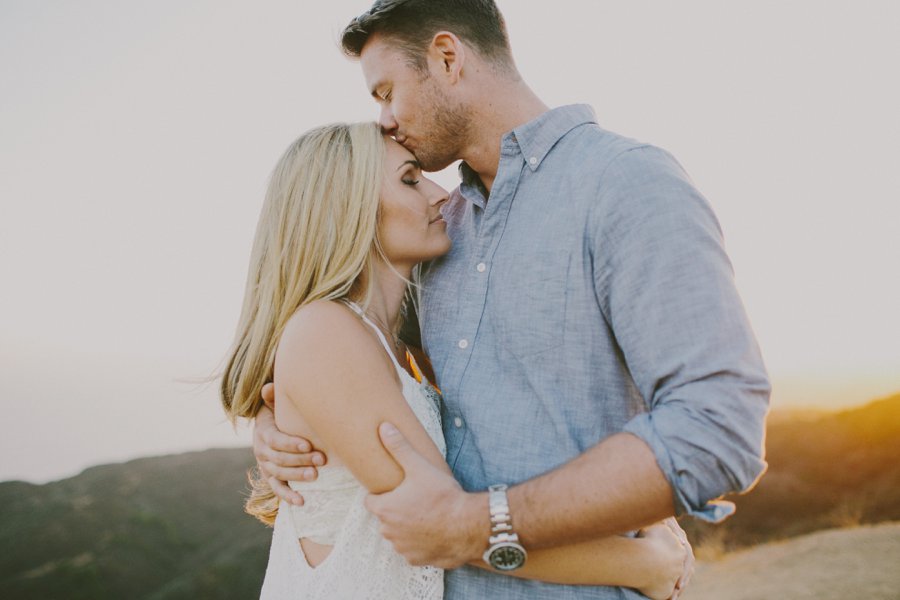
[585,328]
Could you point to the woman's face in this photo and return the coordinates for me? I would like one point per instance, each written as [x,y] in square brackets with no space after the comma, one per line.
[411,228]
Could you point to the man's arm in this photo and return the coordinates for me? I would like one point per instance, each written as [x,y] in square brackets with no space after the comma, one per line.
[665,286]
[614,487]
[659,569]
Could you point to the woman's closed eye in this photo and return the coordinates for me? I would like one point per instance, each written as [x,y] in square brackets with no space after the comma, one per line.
[410,176]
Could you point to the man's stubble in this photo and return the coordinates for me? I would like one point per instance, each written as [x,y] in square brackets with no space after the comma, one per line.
[447,125]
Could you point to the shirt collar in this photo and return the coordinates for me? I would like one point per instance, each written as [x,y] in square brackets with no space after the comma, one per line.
[537,137]
[534,140]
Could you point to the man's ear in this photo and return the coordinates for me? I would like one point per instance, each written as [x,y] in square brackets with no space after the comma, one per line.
[446,56]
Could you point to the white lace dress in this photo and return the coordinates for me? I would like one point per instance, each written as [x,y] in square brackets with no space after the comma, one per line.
[361,564]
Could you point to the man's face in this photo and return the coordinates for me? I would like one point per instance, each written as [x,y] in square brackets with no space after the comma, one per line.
[415,108]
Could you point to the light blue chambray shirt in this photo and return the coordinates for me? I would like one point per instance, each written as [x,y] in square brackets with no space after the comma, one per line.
[590,294]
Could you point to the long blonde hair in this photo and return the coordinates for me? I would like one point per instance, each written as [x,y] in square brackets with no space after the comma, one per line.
[316,239]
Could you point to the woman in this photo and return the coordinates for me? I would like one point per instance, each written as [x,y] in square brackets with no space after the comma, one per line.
[346,218]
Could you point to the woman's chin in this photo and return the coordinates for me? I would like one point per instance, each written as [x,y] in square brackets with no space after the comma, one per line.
[439,250]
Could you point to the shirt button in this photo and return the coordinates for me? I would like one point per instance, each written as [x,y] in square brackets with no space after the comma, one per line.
[481,267]
[532,161]
[463,344]
[457,421]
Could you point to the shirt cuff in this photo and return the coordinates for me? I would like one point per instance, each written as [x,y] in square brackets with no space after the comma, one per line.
[712,511]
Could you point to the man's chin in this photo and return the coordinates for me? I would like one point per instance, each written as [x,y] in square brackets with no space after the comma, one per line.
[430,164]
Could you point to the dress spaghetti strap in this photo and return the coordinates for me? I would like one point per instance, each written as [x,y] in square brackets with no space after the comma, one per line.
[362,315]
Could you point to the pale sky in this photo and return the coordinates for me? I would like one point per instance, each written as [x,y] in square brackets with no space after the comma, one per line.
[136,139]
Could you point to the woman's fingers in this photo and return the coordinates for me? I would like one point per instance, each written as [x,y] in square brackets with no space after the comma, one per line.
[689,560]
[671,552]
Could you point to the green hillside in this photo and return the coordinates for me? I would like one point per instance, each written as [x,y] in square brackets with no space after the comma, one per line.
[173,527]
[155,528]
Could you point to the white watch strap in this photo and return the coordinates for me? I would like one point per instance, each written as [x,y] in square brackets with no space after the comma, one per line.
[501,522]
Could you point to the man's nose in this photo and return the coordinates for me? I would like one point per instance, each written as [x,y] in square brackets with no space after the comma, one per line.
[386,120]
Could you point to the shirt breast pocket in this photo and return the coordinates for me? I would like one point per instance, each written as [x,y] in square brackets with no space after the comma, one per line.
[528,296]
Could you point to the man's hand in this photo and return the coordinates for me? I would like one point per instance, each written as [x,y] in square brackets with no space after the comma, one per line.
[428,518]
[282,457]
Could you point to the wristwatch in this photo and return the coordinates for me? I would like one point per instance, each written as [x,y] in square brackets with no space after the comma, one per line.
[504,552]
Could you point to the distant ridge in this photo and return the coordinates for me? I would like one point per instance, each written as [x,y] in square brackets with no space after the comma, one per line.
[172,527]
[836,470]
[161,528]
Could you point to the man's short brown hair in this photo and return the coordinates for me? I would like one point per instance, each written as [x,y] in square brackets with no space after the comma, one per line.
[413,23]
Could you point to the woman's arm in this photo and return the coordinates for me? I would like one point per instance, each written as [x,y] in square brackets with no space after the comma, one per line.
[652,563]
[337,376]
[340,380]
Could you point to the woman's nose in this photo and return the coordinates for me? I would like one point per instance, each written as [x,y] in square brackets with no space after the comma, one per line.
[439,196]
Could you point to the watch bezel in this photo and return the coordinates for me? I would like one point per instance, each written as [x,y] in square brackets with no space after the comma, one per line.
[496,548]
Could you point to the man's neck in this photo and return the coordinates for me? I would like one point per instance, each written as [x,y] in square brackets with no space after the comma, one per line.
[503,107]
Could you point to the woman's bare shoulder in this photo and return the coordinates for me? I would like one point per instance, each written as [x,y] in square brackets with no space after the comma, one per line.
[320,316]
[322,322]
[324,334]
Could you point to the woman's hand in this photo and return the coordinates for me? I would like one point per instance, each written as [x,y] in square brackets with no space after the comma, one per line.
[676,560]
[282,457]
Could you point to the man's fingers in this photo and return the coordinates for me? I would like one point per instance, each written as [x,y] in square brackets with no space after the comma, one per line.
[283,442]
[284,492]
[268,394]
[288,473]
[292,459]
[399,447]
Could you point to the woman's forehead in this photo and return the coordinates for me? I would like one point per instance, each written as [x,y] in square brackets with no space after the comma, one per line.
[395,154]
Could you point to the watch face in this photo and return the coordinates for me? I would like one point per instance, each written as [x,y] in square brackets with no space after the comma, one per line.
[507,557]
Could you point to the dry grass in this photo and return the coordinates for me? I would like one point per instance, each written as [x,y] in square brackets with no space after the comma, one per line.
[840,564]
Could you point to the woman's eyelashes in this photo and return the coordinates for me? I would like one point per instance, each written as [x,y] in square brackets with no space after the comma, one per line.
[409,179]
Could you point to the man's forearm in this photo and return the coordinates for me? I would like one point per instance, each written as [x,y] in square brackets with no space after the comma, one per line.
[614,487]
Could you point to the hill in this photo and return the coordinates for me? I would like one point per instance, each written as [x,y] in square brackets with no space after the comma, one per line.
[155,528]
[838,470]
[172,527]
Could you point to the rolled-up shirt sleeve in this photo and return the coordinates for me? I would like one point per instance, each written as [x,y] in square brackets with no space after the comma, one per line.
[666,287]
